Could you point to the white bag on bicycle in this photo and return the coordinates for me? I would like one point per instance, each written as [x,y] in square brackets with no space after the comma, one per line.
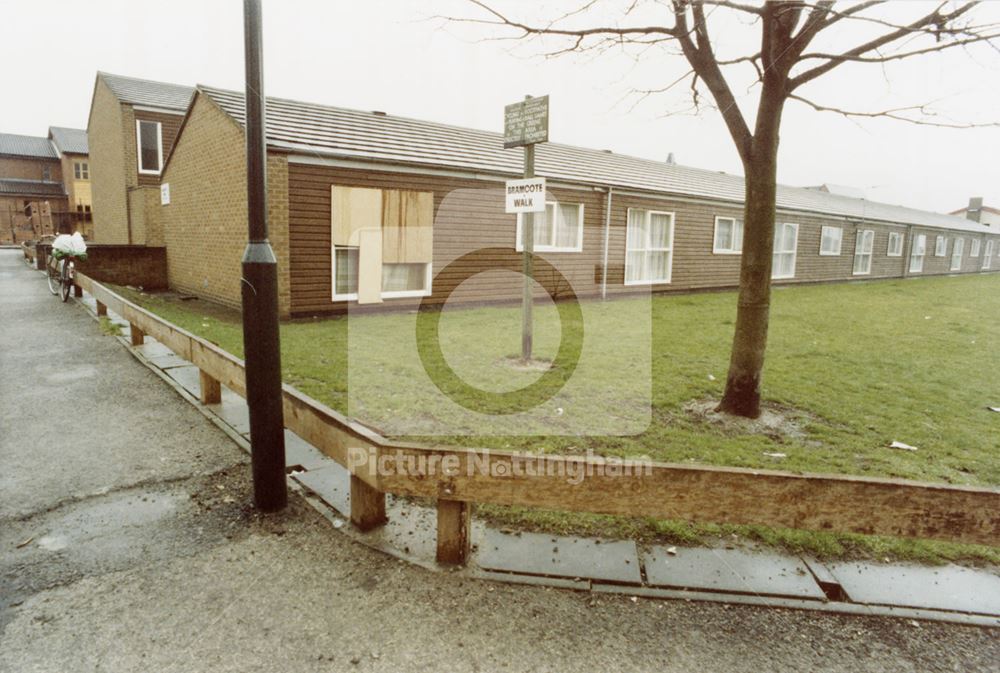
[70,245]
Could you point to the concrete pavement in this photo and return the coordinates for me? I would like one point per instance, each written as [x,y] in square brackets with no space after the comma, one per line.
[127,543]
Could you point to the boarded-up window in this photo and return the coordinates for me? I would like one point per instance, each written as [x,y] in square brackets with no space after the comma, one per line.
[382,243]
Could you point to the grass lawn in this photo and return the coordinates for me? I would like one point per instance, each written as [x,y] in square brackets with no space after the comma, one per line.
[852,366]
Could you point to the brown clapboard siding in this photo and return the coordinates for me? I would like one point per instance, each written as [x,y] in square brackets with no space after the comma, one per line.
[469,215]
[170,126]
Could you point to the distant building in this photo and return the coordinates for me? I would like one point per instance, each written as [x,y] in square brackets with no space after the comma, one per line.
[33,199]
[131,130]
[71,147]
[977,212]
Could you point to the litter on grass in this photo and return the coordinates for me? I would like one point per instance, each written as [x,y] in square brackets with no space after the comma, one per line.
[996,409]
[775,455]
[902,446]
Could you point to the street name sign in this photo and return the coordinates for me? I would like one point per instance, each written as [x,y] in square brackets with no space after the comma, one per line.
[526,196]
[526,122]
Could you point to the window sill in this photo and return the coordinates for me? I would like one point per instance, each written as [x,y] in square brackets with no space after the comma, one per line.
[142,172]
[896,255]
[792,277]
[727,252]
[547,249]
[647,282]
[406,293]
[829,254]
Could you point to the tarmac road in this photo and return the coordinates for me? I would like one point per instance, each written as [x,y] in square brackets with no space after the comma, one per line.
[127,544]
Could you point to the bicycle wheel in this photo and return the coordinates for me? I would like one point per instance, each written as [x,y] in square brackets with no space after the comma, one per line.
[67,287]
[52,267]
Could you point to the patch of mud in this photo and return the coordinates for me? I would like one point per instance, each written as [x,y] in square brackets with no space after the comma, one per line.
[517,364]
[775,421]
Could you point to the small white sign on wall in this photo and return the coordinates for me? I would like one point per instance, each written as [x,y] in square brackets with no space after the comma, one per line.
[165,194]
[526,196]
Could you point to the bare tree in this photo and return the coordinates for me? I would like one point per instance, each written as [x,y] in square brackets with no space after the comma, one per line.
[783,65]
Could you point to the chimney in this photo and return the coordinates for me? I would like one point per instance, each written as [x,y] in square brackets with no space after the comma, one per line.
[670,159]
[975,210]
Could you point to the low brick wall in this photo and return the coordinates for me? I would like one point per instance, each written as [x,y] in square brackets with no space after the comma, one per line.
[135,265]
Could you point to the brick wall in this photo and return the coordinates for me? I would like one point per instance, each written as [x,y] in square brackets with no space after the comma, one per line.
[108,166]
[135,265]
[30,169]
[205,224]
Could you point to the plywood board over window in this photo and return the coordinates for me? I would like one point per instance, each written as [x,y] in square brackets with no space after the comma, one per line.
[390,235]
[407,227]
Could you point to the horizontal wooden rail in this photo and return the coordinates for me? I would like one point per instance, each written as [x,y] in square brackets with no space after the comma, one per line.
[456,476]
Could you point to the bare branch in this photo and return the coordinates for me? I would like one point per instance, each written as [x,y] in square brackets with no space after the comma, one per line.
[895,114]
[934,18]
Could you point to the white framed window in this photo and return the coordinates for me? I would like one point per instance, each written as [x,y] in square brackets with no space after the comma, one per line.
[786,241]
[728,238]
[398,280]
[919,249]
[830,240]
[940,246]
[406,280]
[649,243]
[864,244]
[149,146]
[895,248]
[974,248]
[957,248]
[988,255]
[81,170]
[559,229]
[345,273]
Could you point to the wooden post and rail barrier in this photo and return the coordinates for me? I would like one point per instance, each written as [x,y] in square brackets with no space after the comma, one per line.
[459,477]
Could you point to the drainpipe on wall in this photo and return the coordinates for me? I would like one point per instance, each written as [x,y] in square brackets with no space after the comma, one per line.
[607,237]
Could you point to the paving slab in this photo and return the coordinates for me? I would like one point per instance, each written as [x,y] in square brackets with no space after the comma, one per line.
[233,410]
[188,377]
[300,452]
[153,349]
[945,588]
[168,361]
[332,484]
[730,570]
[537,554]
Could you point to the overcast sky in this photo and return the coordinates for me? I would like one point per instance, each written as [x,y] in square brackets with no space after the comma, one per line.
[391,55]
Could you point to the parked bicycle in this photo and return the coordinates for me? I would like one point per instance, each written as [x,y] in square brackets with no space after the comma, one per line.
[61,264]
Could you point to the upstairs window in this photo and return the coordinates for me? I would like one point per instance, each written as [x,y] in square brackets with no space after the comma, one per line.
[917,253]
[940,246]
[786,239]
[895,244]
[46,173]
[149,146]
[649,244]
[957,248]
[559,229]
[863,246]
[81,170]
[974,249]
[830,240]
[728,236]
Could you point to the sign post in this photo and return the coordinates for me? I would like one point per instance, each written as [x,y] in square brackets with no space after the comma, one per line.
[525,124]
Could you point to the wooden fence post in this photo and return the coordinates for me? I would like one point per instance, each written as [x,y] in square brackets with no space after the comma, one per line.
[367,505]
[453,531]
[211,389]
[77,291]
[101,309]
[138,336]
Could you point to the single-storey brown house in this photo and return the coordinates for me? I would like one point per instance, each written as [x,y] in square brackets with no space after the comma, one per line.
[131,130]
[374,209]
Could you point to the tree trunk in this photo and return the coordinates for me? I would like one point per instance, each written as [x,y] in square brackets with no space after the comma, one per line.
[743,384]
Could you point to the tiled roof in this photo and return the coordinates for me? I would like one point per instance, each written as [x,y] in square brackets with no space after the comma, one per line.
[70,141]
[26,146]
[320,130]
[146,92]
[17,187]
